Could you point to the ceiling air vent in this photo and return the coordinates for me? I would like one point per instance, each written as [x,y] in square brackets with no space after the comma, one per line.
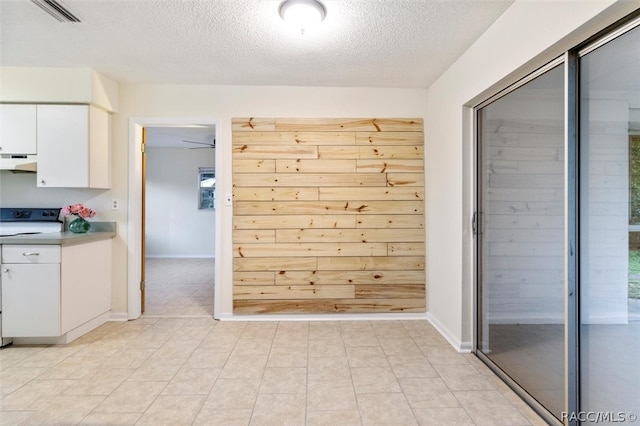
[55,9]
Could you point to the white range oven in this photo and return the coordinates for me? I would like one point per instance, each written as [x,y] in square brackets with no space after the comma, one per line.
[25,221]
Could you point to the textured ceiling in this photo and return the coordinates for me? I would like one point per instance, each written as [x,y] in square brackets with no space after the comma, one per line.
[361,43]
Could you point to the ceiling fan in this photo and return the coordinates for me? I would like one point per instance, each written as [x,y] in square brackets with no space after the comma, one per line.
[206,145]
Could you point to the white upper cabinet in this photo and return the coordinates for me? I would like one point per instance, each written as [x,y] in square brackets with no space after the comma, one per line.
[73,146]
[18,129]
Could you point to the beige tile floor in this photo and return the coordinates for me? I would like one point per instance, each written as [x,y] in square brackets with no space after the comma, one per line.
[181,367]
[182,371]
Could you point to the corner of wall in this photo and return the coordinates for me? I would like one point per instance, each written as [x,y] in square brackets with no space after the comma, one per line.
[104,92]
[118,316]
[459,345]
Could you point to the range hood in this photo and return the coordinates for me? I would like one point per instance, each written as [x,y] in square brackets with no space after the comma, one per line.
[18,163]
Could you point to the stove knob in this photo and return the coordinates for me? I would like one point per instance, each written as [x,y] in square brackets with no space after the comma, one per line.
[18,213]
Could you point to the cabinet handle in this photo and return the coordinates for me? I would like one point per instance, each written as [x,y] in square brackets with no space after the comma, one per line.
[5,271]
[43,182]
[31,254]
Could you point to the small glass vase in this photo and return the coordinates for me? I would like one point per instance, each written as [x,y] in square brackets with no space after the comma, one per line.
[79,226]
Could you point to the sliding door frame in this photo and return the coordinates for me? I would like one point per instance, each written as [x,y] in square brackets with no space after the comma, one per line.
[570,59]
[572,227]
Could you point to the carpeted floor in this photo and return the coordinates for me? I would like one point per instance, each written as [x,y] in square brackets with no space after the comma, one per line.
[179,287]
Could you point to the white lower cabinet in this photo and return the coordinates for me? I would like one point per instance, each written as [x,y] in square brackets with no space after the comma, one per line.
[49,290]
[86,283]
[29,293]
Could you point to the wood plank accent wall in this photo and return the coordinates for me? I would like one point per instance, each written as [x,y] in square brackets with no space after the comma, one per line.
[328,215]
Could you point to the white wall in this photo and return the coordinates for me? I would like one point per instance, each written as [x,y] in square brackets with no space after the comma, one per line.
[19,190]
[58,85]
[174,225]
[194,104]
[526,36]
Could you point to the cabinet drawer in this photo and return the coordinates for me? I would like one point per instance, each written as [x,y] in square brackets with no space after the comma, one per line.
[30,254]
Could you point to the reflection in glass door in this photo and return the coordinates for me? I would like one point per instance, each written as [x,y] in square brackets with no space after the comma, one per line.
[610,229]
[521,308]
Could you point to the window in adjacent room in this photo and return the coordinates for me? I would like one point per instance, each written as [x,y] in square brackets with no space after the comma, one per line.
[206,187]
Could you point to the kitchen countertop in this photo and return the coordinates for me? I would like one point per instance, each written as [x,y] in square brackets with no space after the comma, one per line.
[99,231]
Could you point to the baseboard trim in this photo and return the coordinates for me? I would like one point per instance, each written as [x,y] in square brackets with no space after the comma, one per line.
[555,320]
[119,316]
[181,256]
[523,318]
[66,338]
[458,345]
[324,317]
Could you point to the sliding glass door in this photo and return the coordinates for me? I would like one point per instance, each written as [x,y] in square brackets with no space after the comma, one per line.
[558,233]
[610,228]
[522,238]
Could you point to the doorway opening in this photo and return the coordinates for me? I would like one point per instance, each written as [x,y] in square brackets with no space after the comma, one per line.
[179,221]
[174,225]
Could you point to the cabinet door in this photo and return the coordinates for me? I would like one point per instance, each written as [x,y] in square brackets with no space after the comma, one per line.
[63,146]
[18,124]
[30,300]
[99,148]
[86,283]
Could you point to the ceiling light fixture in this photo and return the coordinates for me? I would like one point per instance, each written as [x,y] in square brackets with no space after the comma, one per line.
[302,14]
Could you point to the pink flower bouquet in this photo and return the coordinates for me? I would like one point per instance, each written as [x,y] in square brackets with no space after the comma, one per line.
[78,210]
